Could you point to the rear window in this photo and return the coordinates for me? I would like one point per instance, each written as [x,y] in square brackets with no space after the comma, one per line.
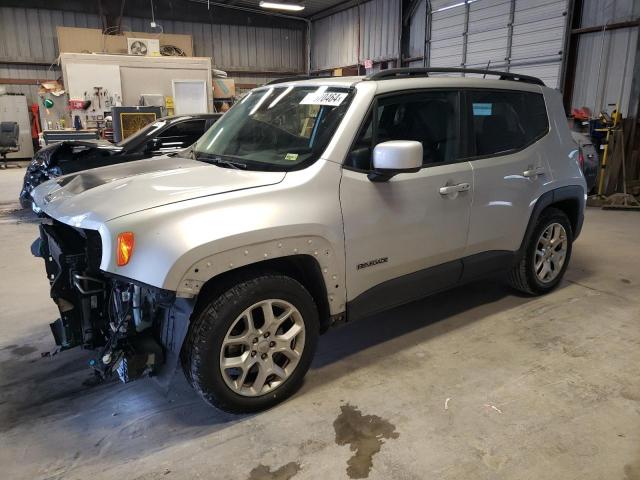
[502,121]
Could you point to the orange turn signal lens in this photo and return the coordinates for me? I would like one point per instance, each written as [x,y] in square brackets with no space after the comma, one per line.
[125,248]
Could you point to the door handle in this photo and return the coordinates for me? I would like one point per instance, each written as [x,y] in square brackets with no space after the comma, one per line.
[449,189]
[534,172]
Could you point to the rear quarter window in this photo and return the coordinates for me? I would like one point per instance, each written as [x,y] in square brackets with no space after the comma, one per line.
[505,121]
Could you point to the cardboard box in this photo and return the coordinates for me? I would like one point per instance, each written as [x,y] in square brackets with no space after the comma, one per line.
[224,88]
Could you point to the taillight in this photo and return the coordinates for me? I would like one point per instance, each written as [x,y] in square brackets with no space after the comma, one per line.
[125,248]
[581,160]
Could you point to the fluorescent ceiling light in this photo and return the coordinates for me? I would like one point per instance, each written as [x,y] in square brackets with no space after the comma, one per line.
[448,7]
[293,7]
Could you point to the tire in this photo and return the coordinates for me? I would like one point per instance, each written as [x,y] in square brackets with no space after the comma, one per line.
[231,315]
[523,276]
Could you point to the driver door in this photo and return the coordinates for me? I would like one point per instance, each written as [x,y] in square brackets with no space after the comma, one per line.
[404,237]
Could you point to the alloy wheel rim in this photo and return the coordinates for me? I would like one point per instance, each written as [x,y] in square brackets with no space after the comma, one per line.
[551,253]
[262,348]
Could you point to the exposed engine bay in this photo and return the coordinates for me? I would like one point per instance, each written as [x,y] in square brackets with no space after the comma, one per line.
[135,330]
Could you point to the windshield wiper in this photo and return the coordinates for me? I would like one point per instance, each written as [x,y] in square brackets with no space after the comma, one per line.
[219,161]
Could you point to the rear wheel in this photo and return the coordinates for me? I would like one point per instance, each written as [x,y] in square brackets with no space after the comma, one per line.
[546,255]
[251,346]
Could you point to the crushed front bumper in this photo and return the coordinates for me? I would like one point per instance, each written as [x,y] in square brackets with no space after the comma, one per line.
[135,329]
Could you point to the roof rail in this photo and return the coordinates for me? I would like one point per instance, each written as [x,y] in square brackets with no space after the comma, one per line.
[424,72]
[289,79]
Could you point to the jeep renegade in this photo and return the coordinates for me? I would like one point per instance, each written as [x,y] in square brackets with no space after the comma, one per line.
[311,202]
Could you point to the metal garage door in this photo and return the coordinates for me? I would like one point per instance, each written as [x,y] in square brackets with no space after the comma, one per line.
[488,37]
[448,25]
[525,36]
[538,38]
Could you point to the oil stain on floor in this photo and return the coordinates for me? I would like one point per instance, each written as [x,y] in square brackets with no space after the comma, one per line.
[365,434]
[286,472]
[23,350]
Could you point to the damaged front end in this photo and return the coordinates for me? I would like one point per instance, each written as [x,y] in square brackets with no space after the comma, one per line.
[135,329]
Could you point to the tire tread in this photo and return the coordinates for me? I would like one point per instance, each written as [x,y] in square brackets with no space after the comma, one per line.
[518,276]
[201,329]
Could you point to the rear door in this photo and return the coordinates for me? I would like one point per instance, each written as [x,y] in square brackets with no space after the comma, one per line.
[509,169]
[395,231]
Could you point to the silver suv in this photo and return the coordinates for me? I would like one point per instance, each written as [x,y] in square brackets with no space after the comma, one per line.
[310,203]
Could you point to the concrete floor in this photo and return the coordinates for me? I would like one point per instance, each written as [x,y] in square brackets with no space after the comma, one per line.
[476,383]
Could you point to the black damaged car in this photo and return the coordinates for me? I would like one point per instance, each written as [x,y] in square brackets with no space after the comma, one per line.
[163,136]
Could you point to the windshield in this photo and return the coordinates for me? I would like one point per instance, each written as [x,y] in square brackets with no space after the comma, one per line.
[278,128]
[145,131]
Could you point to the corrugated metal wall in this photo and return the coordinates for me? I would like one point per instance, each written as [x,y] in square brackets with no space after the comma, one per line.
[417,29]
[598,12]
[335,40]
[600,70]
[29,35]
[380,30]
[235,47]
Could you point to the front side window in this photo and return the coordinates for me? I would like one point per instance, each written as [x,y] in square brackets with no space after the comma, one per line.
[431,118]
[277,128]
[144,133]
[505,121]
[187,128]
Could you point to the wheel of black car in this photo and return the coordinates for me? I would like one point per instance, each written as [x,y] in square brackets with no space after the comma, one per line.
[546,255]
[251,346]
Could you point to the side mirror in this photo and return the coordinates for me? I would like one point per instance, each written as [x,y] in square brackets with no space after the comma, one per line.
[153,144]
[395,156]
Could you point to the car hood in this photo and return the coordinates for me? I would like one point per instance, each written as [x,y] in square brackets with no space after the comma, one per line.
[100,143]
[102,194]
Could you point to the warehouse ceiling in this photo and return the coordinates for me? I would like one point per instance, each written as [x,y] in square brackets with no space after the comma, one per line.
[312,7]
[239,12]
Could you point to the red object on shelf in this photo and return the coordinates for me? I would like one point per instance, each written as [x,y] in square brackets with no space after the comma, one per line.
[76,104]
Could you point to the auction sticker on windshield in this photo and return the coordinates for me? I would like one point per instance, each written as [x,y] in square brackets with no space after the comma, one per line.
[332,99]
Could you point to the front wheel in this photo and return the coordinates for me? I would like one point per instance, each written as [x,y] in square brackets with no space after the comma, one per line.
[251,346]
[546,255]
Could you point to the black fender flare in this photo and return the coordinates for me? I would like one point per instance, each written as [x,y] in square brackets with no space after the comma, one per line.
[574,193]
